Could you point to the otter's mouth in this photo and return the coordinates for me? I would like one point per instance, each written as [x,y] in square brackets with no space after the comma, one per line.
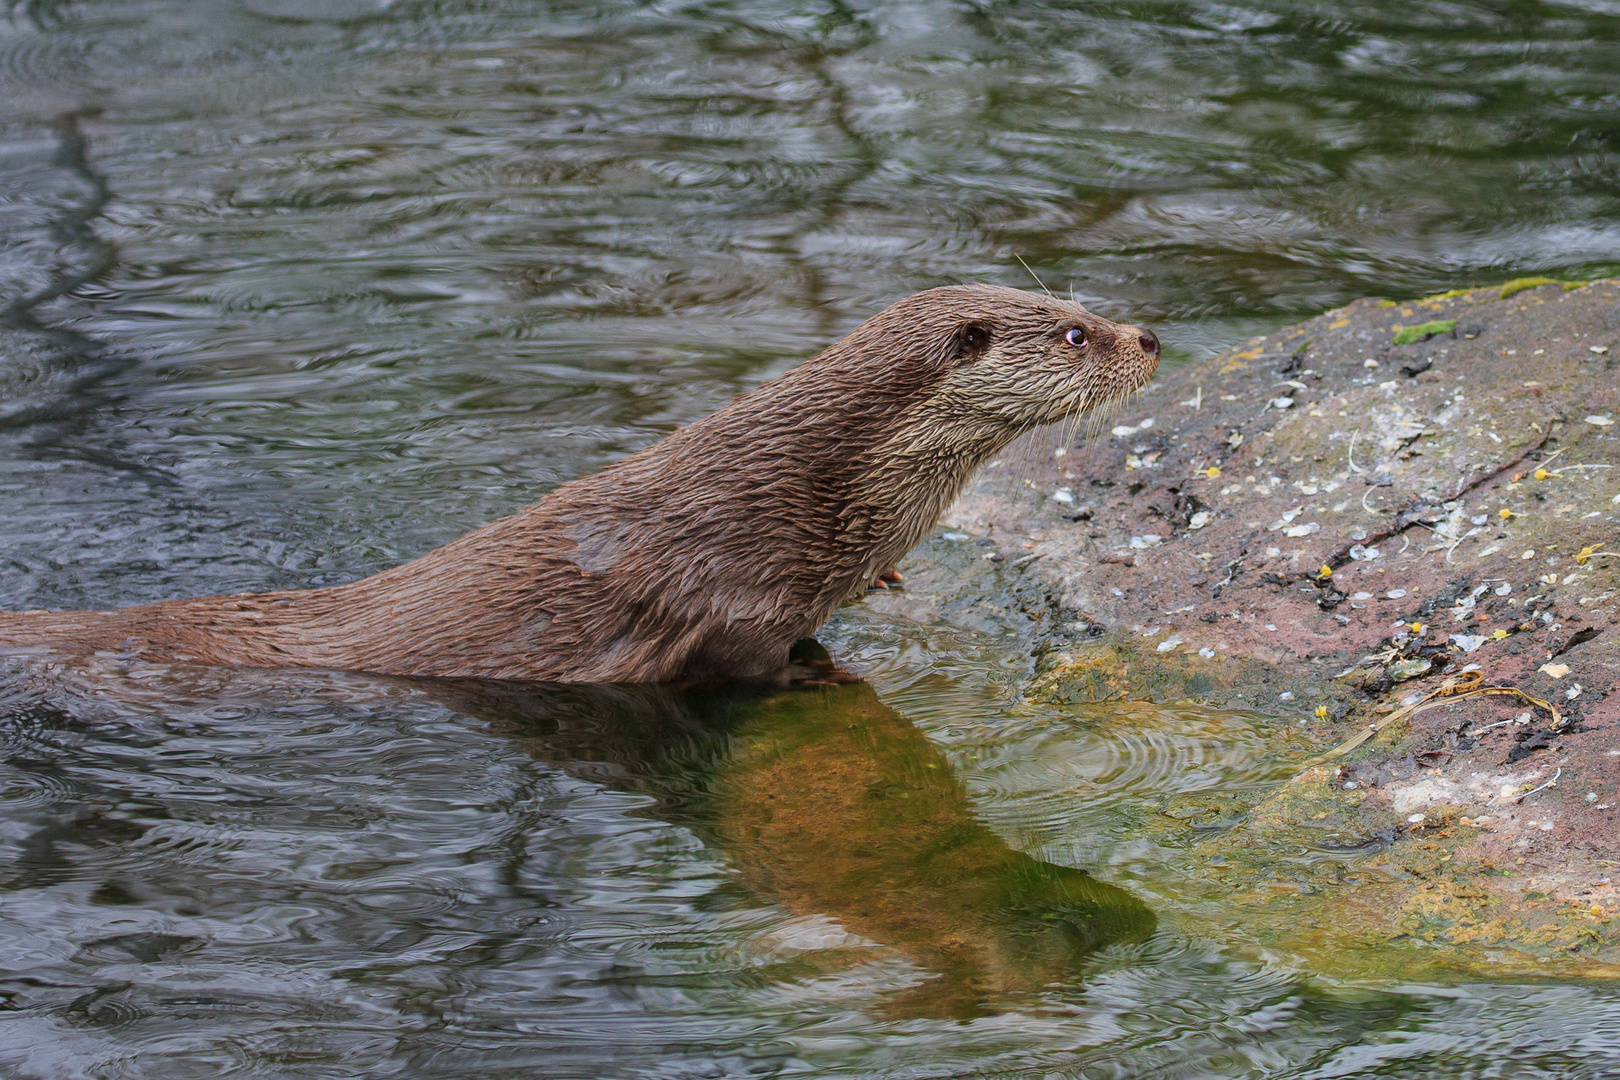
[1100,394]
[1139,368]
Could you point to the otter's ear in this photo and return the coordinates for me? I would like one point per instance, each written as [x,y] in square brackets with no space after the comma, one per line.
[972,339]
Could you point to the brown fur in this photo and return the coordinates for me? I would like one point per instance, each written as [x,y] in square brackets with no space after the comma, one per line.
[708,553]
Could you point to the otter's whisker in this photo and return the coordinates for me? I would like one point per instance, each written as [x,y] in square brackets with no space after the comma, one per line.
[1034,275]
[1071,429]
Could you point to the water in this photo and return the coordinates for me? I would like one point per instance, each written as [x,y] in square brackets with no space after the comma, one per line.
[293,291]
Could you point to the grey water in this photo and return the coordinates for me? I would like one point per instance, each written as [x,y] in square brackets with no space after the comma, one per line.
[293,290]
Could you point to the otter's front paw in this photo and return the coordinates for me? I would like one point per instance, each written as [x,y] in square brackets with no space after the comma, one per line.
[889,579]
[818,673]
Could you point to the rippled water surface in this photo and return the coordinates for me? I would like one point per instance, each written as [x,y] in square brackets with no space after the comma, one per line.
[293,290]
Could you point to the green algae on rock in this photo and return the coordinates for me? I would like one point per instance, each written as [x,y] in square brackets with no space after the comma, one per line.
[1518,285]
[1411,335]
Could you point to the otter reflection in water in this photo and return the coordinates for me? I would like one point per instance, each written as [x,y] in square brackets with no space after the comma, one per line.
[829,802]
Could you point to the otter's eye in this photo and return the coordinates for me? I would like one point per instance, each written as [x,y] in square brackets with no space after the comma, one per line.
[1076,337]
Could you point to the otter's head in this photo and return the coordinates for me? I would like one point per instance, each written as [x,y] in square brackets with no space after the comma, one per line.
[983,364]
[959,372]
[1015,360]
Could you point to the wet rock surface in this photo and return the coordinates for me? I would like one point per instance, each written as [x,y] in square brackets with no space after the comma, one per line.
[1327,524]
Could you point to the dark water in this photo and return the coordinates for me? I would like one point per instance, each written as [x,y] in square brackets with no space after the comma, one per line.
[294,290]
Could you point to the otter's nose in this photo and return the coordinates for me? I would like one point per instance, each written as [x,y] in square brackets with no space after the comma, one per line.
[1149,343]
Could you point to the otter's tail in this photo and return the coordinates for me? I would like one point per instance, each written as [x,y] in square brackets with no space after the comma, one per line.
[70,631]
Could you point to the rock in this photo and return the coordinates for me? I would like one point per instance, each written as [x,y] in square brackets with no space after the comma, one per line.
[1381,524]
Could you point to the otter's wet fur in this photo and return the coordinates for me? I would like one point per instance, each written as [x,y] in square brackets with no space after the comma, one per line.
[708,553]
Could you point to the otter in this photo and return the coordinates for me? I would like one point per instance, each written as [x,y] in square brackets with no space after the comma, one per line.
[705,555]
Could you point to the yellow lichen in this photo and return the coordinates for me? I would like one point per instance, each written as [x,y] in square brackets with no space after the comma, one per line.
[1447,295]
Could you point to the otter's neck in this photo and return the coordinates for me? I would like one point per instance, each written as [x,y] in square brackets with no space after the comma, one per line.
[917,473]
